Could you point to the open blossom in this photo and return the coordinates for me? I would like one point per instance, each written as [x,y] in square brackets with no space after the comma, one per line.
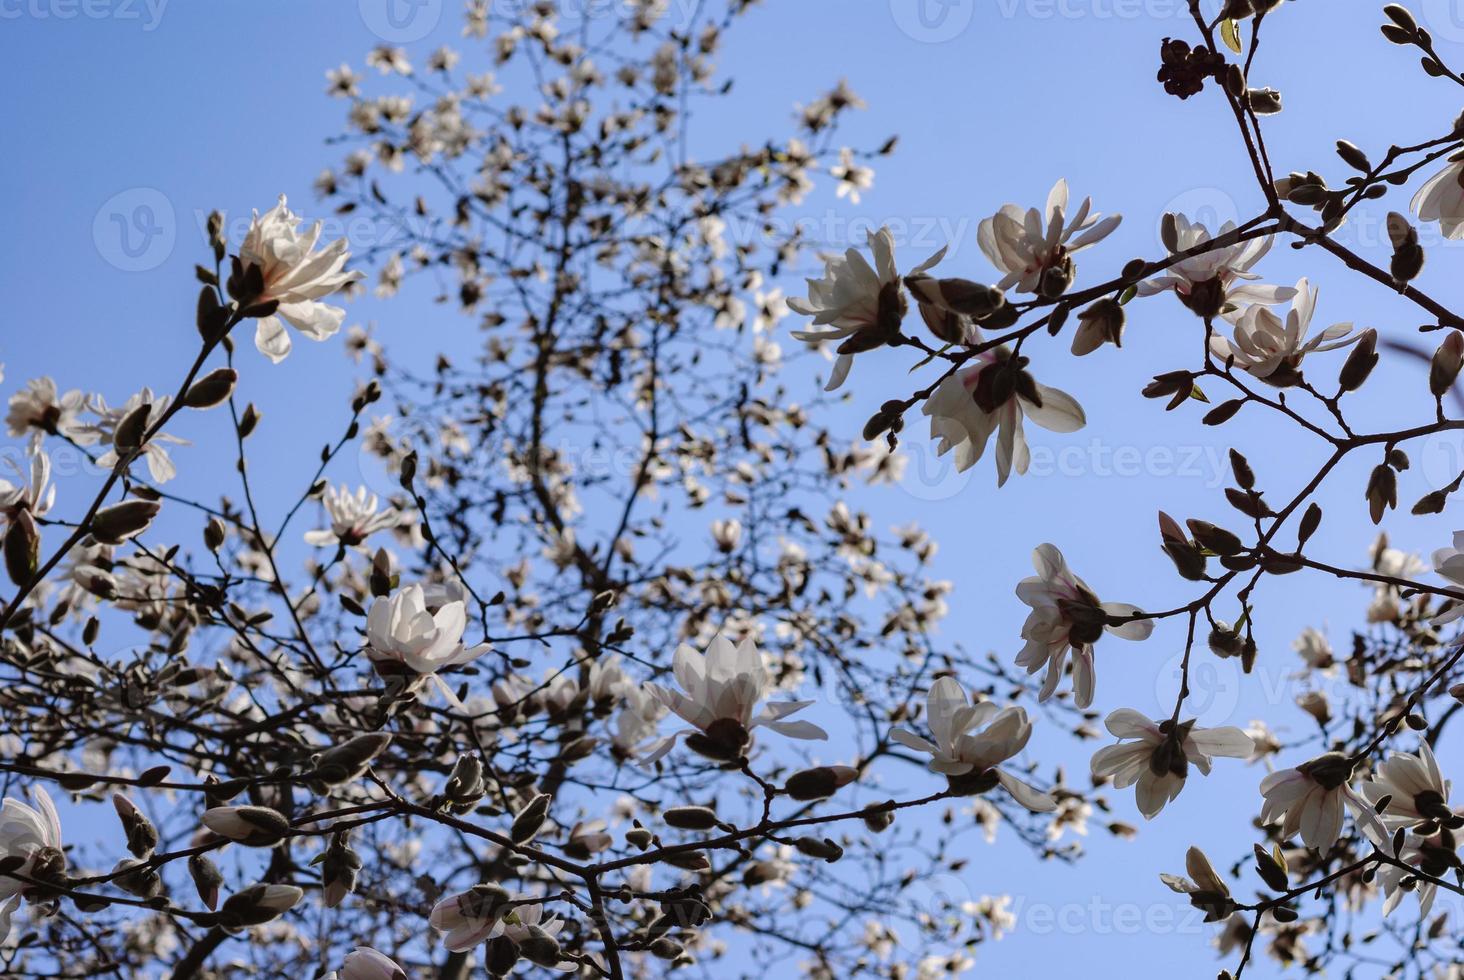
[1311,797]
[972,740]
[29,833]
[640,713]
[39,408]
[1210,281]
[485,912]
[1156,755]
[859,304]
[1449,562]
[33,492]
[1066,615]
[1441,198]
[1313,648]
[297,276]
[159,464]
[1428,855]
[851,176]
[722,692]
[1413,787]
[1033,250]
[404,636]
[354,517]
[1272,350]
[365,963]
[993,393]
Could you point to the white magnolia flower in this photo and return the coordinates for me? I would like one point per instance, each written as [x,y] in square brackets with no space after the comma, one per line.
[39,409]
[992,394]
[353,517]
[486,912]
[722,692]
[297,275]
[365,963]
[33,492]
[32,834]
[860,304]
[1208,282]
[640,714]
[159,464]
[404,637]
[972,740]
[1313,648]
[1416,851]
[1272,350]
[1066,615]
[1026,247]
[1449,562]
[851,176]
[1311,797]
[1441,199]
[1157,759]
[1413,786]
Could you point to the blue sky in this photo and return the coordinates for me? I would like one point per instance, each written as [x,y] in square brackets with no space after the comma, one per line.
[130,121]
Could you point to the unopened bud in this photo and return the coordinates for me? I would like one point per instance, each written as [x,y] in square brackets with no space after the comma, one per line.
[1447,360]
[212,389]
[117,523]
[142,836]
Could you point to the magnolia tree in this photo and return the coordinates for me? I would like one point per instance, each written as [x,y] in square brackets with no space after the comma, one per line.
[600,675]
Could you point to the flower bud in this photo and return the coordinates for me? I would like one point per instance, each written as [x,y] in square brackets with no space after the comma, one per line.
[133,876]
[825,849]
[253,826]
[117,523]
[464,786]
[530,820]
[1264,101]
[540,947]
[880,818]
[690,818]
[127,436]
[339,865]
[212,389]
[1382,491]
[502,956]
[257,905]
[345,762]
[22,548]
[206,879]
[142,836]
[1444,368]
[1360,361]
[818,783]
